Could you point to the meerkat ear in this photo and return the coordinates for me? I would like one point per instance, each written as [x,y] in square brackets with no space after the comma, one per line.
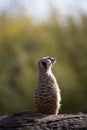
[44,64]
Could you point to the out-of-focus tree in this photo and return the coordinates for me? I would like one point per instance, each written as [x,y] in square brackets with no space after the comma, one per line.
[23,42]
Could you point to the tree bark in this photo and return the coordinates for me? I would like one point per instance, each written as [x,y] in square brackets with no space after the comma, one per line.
[44,122]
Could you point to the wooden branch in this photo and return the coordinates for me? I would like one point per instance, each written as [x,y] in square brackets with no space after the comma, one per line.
[44,122]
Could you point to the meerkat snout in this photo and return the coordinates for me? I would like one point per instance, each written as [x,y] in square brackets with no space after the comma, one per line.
[53,60]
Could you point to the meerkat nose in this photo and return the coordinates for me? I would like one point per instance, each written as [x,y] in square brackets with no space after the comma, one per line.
[53,60]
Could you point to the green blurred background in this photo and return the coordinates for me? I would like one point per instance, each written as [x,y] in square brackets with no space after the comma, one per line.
[23,40]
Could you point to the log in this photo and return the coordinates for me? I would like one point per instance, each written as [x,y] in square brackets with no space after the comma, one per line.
[44,122]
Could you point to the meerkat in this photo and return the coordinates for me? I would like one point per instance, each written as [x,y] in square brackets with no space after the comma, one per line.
[47,96]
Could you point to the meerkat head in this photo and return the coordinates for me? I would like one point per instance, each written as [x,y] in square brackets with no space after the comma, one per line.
[45,63]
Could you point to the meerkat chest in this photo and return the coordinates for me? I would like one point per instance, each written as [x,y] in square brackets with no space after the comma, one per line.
[47,87]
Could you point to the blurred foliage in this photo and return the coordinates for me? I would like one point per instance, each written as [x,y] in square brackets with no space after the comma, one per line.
[23,42]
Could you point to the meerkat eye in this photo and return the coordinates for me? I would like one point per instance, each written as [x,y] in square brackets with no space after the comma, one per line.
[44,64]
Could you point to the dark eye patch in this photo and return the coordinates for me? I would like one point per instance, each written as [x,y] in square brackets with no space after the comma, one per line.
[44,64]
[49,58]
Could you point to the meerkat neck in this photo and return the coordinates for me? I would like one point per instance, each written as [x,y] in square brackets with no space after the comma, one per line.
[48,72]
[47,76]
